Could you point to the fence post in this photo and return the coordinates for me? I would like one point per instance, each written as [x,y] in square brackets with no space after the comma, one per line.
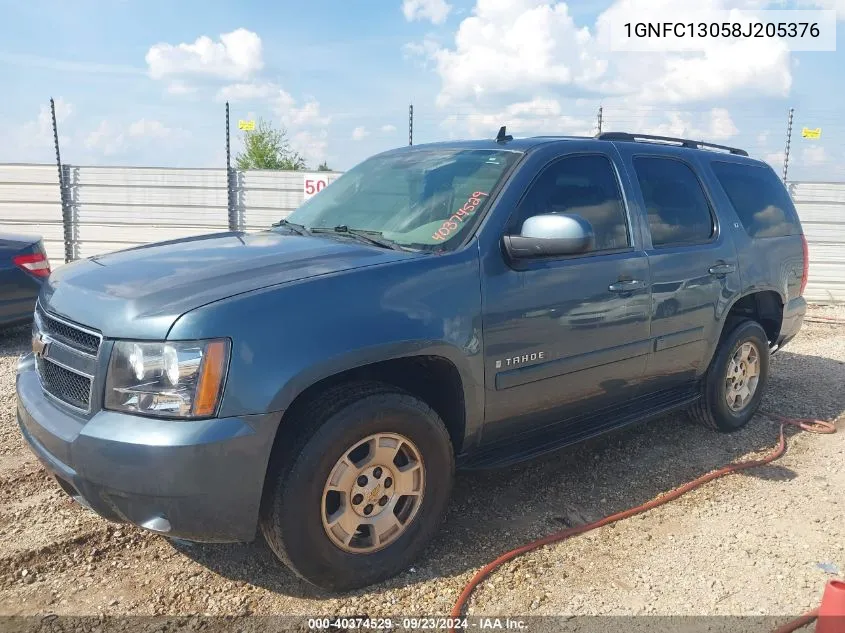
[66,220]
[231,204]
[70,177]
[788,143]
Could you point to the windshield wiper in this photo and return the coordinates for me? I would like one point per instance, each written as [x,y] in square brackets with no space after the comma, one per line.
[299,229]
[371,237]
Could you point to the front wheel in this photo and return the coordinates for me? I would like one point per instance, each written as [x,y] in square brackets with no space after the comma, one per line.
[365,489]
[735,380]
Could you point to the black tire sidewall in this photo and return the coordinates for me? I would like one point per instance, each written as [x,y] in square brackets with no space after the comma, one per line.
[298,508]
[726,418]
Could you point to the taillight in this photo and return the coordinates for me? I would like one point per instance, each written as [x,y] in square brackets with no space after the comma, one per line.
[806,272]
[35,263]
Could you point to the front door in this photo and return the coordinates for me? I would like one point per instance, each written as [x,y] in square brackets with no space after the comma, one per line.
[563,336]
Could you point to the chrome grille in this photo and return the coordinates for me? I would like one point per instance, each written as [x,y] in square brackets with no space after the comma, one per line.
[64,384]
[86,342]
[67,360]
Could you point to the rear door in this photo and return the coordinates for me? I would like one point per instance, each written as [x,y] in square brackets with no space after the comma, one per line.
[693,264]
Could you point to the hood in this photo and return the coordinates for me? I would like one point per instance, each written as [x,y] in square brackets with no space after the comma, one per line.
[141,291]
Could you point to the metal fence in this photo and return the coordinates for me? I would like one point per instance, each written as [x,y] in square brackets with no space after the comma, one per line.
[30,202]
[821,207]
[111,208]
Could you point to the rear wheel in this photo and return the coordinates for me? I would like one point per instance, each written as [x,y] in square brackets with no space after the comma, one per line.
[362,492]
[735,380]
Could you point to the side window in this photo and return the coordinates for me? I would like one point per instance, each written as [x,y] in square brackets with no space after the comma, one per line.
[759,198]
[678,211]
[584,186]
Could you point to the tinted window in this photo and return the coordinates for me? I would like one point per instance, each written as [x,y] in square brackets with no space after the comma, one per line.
[678,212]
[421,198]
[759,198]
[584,186]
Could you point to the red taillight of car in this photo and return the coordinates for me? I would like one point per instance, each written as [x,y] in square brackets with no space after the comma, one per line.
[806,272]
[35,263]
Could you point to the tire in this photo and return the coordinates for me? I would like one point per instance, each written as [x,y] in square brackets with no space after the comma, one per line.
[292,517]
[713,410]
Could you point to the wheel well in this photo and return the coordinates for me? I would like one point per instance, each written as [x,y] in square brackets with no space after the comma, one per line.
[764,307]
[432,379]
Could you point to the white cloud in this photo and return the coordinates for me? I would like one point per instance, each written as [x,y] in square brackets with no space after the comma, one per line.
[714,125]
[110,138]
[312,145]
[813,156]
[308,114]
[359,133]
[775,159]
[539,116]
[282,103]
[836,5]
[149,128]
[247,91]
[721,125]
[33,139]
[235,55]
[435,10]
[534,47]
[178,87]
[106,138]
[39,131]
[388,129]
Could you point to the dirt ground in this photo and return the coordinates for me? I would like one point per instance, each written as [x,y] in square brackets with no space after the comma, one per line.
[760,543]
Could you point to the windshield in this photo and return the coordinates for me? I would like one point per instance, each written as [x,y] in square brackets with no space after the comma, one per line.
[421,199]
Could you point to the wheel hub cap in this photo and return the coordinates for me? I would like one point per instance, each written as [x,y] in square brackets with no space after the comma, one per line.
[742,376]
[373,493]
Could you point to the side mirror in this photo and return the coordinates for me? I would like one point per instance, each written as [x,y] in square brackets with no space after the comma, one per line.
[550,235]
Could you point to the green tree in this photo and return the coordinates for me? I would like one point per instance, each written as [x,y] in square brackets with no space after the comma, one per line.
[267,147]
[323,167]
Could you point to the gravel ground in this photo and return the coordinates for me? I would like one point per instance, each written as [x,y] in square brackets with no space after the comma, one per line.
[750,544]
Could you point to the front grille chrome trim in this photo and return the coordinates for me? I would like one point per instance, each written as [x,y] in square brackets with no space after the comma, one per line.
[64,403]
[40,313]
[57,398]
[70,369]
[78,352]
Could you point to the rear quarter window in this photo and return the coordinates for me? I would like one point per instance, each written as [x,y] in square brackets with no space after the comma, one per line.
[759,198]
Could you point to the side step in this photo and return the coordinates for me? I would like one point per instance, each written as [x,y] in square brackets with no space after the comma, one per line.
[573,430]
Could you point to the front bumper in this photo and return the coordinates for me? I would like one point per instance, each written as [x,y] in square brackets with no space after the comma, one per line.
[197,480]
[793,318]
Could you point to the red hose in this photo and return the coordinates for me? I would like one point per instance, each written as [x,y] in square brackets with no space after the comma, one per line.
[805,424]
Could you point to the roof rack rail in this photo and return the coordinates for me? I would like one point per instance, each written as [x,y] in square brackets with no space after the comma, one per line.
[684,142]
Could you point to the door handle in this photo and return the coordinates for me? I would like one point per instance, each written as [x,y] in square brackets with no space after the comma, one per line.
[626,286]
[721,269]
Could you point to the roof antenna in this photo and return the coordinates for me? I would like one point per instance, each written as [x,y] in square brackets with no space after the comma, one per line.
[502,136]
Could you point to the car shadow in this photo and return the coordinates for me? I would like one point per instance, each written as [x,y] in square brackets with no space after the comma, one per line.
[494,511]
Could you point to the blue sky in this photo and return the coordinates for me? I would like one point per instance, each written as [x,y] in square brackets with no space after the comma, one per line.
[144,83]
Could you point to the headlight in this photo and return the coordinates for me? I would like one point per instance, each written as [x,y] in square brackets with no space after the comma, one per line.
[179,379]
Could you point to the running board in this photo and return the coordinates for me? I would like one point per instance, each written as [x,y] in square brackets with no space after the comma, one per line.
[573,430]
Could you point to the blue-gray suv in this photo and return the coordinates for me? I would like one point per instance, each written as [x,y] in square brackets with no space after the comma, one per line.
[465,304]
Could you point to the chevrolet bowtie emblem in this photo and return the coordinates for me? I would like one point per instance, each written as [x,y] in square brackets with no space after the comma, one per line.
[39,345]
[374,495]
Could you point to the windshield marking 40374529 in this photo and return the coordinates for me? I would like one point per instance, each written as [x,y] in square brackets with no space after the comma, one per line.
[452,223]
